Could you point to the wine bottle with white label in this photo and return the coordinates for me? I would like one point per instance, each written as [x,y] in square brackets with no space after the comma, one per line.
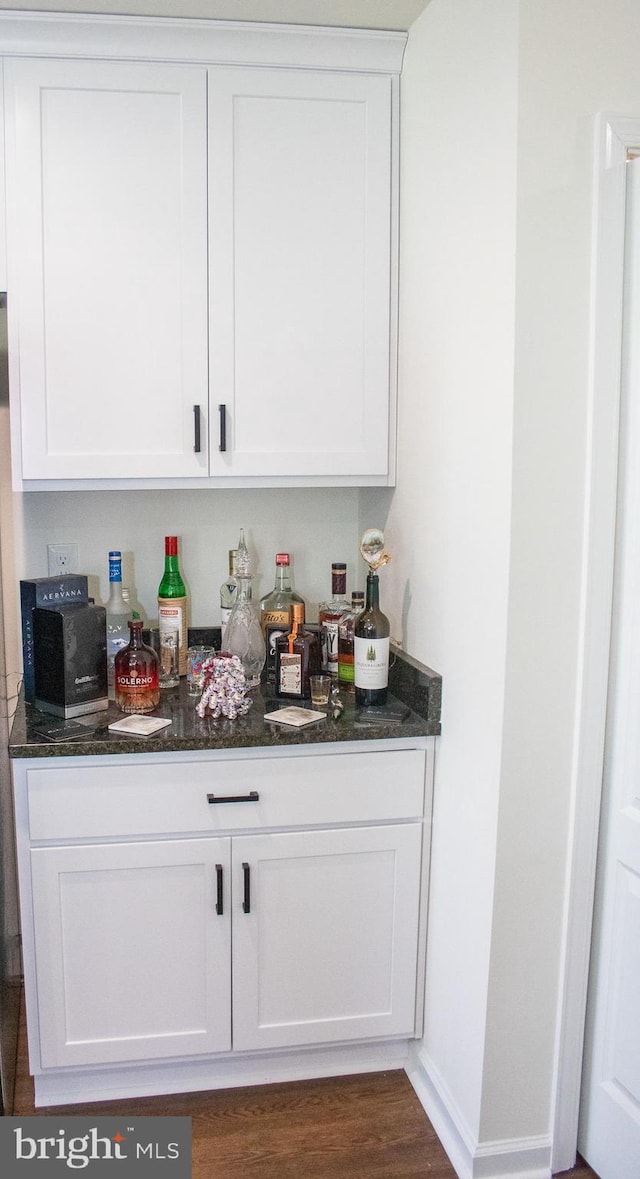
[371,649]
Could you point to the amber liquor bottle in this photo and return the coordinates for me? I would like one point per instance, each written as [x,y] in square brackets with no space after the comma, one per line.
[329,615]
[137,684]
[346,627]
[297,658]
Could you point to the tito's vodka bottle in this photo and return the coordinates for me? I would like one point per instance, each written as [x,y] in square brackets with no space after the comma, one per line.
[172,605]
[371,649]
[275,609]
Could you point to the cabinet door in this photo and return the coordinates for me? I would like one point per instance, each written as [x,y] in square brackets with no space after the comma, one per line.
[328,949]
[107,237]
[300,184]
[132,958]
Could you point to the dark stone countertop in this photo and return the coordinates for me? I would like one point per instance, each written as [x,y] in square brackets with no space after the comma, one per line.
[412,710]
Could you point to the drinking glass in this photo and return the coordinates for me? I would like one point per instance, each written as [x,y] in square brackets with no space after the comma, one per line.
[320,688]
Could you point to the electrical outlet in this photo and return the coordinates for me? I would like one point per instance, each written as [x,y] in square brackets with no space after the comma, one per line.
[63,558]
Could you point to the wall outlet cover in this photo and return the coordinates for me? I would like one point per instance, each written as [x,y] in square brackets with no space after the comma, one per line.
[63,558]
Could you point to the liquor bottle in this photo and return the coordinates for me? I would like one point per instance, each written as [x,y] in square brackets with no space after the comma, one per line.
[345,641]
[137,685]
[275,609]
[371,649]
[118,612]
[172,605]
[238,563]
[297,658]
[228,590]
[329,615]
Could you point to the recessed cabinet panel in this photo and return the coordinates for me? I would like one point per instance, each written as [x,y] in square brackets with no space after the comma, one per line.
[328,948]
[132,957]
[300,176]
[107,267]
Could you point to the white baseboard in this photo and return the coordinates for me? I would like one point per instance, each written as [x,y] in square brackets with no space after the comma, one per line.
[111,1083]
[512,1158]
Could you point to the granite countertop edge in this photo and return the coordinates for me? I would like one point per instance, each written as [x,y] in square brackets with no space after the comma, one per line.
[412,711]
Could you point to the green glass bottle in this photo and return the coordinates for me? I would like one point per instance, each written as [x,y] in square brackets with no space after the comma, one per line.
[371,649]
[172,610]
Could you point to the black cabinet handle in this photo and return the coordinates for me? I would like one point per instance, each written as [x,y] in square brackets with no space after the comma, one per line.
[196,429]
[252,796]
[246,873]
[222,410]
[219,889]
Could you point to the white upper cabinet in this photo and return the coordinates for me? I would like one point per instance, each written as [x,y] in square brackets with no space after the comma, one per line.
[201,254]
[107,236]
[299,241]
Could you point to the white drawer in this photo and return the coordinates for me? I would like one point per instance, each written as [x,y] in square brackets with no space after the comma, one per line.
[99,802]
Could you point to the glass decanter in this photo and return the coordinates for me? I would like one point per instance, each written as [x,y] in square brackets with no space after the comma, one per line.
[243,635]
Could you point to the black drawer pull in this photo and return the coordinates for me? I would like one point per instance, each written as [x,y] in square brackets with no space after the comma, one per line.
[246,873]
[219,889]
[196,429]
[222,410]
[252,796]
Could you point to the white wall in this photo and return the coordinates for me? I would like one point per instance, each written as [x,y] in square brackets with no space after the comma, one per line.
[576,58]
[448,521]
[499,101]
[317,526]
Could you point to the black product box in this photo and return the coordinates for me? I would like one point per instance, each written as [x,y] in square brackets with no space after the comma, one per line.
[70,659]
[51,592]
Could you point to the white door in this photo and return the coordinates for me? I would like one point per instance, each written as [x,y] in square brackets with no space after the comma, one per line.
[300,249]
[133,956]
[609,1134]
[107,267]
[325,948]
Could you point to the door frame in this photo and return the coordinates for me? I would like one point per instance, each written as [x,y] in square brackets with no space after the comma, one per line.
[615,139]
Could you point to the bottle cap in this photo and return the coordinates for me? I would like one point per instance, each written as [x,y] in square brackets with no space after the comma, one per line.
[297,611]
[171,546]
[282,558]
[339,566]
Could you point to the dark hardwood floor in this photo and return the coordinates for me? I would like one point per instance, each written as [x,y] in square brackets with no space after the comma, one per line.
[358,1127]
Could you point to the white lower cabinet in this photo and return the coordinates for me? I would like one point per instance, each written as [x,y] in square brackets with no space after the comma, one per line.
[328,949]
[132,961]
[288,918]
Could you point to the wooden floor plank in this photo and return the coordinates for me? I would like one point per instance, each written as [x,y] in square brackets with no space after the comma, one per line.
[369,1126]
